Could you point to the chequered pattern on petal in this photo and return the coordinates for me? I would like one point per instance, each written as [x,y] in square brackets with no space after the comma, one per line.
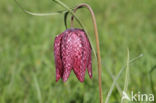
[72,50]
[57,55]
[87,51]
[67,54]
[78,63]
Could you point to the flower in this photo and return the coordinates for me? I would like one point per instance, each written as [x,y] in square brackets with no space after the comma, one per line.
[72,50]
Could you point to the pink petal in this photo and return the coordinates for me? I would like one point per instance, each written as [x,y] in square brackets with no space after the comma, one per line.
[79,57]
[87,53]
[58,61]
[66,50]
[89,66]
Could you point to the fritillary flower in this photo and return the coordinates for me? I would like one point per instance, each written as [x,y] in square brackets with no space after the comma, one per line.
[72,51]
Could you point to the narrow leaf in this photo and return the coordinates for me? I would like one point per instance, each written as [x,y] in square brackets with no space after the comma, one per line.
[126,76]
[39,14]
[37,89]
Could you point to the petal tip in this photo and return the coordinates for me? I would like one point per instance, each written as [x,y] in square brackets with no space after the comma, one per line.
[57,78]
[65,79]
[81,81]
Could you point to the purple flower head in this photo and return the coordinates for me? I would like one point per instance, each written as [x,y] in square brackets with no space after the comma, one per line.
[72,50]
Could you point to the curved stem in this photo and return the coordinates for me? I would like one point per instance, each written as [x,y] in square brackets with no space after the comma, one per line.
[70,10]
[97,44]
[72,18]
[65,19]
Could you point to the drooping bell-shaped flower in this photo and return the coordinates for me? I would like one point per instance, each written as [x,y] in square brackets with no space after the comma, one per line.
[72,50]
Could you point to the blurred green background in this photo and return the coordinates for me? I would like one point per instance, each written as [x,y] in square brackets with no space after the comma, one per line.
[27,70]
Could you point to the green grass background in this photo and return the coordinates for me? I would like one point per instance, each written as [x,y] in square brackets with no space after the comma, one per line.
[27,70]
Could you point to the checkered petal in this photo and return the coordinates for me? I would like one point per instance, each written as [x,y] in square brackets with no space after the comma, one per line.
[57,55]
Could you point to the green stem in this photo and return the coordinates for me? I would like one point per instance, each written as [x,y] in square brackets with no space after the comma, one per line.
[70,10]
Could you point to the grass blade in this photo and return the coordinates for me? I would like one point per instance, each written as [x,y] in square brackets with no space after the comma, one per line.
[38,89]
[151,80]
[113,77]
[117,77]
[126,76]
